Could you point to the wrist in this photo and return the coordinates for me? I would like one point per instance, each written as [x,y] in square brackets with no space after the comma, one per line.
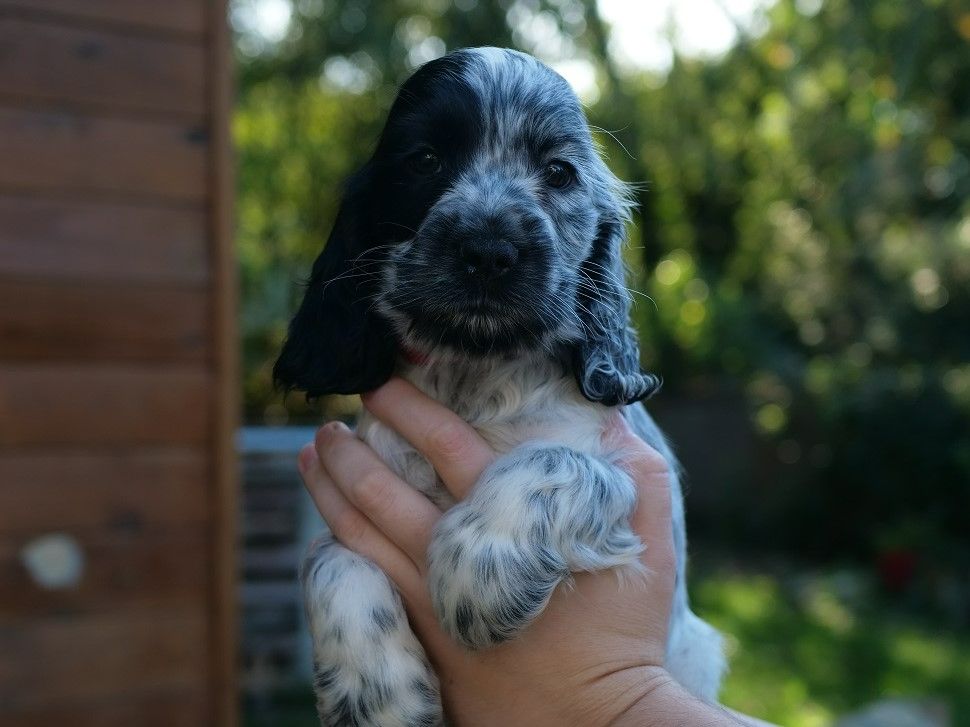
[657,692]
[665,703]
[619,694]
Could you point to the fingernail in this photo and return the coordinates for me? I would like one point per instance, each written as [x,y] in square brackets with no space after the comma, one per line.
[329,429]
[305,459]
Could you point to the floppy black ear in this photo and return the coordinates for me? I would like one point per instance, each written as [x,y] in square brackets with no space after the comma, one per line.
[336,343]
[607,361]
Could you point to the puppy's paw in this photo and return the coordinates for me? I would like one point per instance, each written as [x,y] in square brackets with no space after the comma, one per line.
[486,584]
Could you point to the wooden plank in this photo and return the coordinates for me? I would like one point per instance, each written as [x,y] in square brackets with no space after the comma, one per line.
[101,405]
[157,708]
[181,16]
[82,322]
[48,660]
[121,570]
[54,238]
[66,65]
[147,490]
[78,321]
[62,151]
[223,615]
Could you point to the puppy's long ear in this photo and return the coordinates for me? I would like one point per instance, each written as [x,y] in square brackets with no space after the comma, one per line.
[336,343]
[607,361]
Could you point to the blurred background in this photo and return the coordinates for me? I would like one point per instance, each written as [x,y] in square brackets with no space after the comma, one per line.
[803,248]
[801,253]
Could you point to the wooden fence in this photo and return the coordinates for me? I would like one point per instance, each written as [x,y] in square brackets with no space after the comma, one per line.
[117,355]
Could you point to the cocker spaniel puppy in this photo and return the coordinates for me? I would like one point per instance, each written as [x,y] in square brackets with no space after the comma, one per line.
[477,254]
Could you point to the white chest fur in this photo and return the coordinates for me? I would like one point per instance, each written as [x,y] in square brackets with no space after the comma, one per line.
[507,402]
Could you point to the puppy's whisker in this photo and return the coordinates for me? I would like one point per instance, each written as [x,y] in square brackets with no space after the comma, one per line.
[398,224]
[614,138]
[591,285]
[350,274]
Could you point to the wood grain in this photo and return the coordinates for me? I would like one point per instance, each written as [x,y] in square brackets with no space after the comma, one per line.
[182,16]
[82,322]
[223,615]
[69,152]
[105,69]
[102,405]
[118,360]
[152,708]
[123,568]
[69,657]
[150,490]
[90,240]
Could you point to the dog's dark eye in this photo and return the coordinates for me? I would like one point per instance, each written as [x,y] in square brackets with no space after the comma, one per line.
[425,162]
[559,175]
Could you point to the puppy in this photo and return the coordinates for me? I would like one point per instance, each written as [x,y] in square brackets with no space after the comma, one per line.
[477,254]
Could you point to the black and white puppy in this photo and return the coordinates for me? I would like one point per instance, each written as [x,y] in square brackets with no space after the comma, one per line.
[477,254]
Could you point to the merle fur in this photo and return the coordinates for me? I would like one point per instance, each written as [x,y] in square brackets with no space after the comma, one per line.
[532,348]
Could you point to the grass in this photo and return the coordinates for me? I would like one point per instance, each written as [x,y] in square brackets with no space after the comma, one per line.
[804,649]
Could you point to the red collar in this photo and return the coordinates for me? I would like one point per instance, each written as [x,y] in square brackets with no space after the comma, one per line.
[414,357]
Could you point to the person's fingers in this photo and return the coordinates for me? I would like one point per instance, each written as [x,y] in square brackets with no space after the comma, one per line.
[350,527]
[402,513]
[456,451]
[353,529]
[651,472]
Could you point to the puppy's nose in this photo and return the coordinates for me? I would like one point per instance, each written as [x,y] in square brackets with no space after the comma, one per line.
[488,257]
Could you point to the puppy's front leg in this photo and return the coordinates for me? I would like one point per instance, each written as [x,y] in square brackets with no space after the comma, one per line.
[537,514]
[369,668]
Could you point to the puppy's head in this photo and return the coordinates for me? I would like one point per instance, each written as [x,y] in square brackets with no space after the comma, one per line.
[485,224]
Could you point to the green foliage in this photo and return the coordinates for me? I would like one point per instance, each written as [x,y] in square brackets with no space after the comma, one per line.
[807,233]
[806,649]
[804,234]
[296,142]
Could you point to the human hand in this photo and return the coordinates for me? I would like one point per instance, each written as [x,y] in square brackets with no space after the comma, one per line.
[598,647]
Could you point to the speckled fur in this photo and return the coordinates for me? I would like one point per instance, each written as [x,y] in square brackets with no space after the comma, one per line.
[536,370]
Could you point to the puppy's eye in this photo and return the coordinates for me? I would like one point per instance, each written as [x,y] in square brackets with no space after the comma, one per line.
[558,174]
[425,162]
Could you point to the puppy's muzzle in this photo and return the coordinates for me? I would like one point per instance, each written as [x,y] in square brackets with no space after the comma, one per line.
[491,223]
